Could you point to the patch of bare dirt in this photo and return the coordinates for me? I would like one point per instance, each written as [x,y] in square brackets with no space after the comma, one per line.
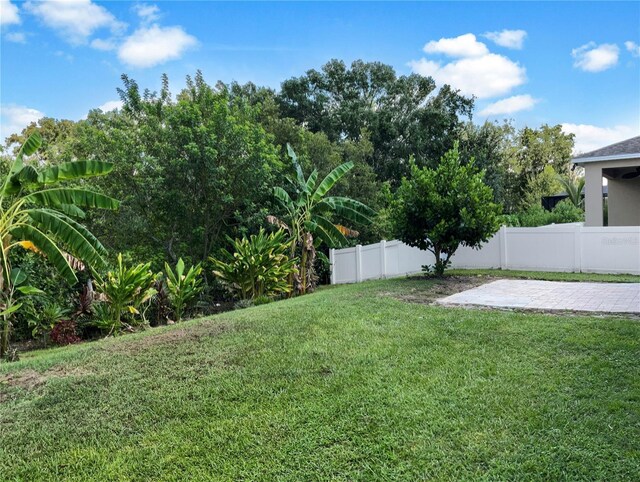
[31,379]
[171,337]
[441,288]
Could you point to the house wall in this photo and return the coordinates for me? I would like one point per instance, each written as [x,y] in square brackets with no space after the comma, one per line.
[624,202]
[593,215]
[593,195]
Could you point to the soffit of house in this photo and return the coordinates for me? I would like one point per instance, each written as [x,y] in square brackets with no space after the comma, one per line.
[629,149]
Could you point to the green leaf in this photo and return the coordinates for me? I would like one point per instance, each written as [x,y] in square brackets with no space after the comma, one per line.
[282,196]
[18,276]
[350,209]
[31,145]
[11,309]
[180,268]
[311,182]
[78,197]
[72,234]
[72,210]
[296,164]
[74,170]
[30,290]
[48,247]
[331,179]
[337,239]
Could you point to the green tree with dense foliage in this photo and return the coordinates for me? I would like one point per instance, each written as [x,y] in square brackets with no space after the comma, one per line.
[35,216]
[440,209]
[403,115]
[189,170]
[308,216]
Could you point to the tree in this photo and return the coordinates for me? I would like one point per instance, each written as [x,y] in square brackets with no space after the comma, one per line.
[440,209]
[403,115]
[537,158]
[189,170]
[44,220]
[307,216]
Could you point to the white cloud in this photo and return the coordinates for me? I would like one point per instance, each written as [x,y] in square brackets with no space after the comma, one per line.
[103,44]
[487,76]
[595,58]
[590,137]
[463,46]
[476,71]
[633,47]
[510,105]
[511,39]
[14,118]
[111,105]
[150,46]
[8,13]
[148,13]
[16,37]
[75,20]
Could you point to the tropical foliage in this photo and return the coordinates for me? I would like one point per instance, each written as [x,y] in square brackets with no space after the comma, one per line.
[182,287]
[125,289]
[573,186]
[308,217]
[257,266]
[197,167]
[36,217]
[440,209]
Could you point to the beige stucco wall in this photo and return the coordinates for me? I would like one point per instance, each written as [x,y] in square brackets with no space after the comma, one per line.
[593,195]
[624,202]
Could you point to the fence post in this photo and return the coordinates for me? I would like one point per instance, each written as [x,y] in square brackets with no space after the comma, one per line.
[504,260]
[332,260]
[358,263]
[577,247]
[383,259]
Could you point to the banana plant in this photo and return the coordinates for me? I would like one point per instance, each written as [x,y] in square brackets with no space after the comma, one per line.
[182,287]
[308,215]
[36,216]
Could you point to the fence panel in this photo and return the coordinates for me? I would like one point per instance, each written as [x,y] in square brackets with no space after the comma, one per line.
[541,249]
[615,250]
[547,248]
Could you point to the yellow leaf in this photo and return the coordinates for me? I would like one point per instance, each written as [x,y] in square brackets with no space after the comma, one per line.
[29,245]
[133,311]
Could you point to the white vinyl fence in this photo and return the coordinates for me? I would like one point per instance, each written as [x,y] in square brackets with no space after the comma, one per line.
[546,248]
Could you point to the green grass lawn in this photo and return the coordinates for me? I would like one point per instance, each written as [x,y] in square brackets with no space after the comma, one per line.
[349,383]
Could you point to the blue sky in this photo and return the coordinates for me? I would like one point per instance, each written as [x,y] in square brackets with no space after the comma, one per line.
[575,63]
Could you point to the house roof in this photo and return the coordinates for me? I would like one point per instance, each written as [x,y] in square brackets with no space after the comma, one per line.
[628,149]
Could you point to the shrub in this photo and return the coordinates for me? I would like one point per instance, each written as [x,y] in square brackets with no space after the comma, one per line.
[65,332]
[566,212]
[182,288]
[126,289]
[44,318]
[259,266]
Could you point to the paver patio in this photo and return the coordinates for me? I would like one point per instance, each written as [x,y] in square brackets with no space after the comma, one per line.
[552,295]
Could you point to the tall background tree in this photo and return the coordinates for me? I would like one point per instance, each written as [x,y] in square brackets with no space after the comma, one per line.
[402,115]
